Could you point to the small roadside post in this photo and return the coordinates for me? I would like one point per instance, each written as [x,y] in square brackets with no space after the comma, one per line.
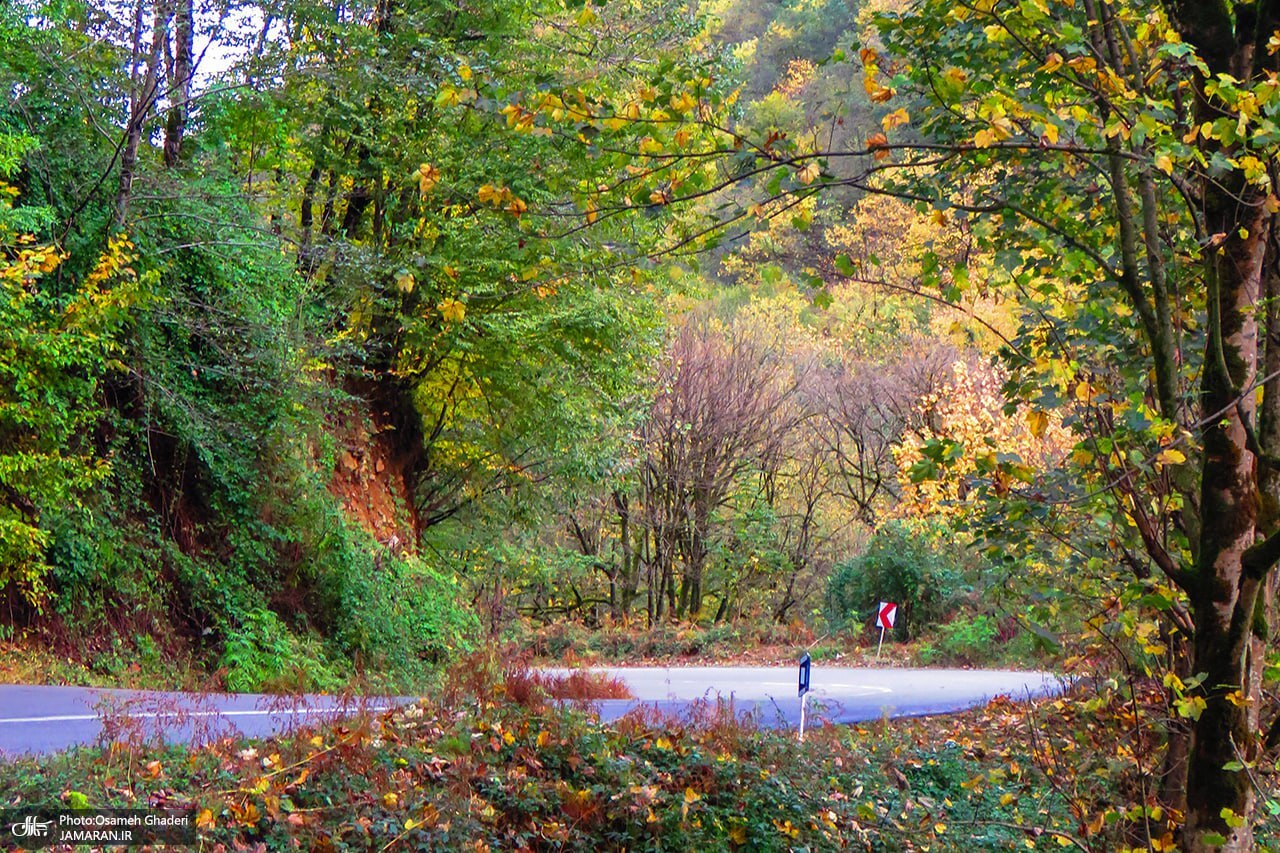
[886,613]
[805,667]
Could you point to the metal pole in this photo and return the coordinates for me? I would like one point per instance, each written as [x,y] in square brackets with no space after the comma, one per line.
[881,643]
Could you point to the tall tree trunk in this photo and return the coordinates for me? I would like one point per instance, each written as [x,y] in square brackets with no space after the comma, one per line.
[179,82]
[1238,546]
[306,246]
[1224,594]
[142,99]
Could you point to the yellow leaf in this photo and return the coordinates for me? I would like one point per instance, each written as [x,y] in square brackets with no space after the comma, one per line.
[897,118]
[684,103]
[809,173]
[452,310]
[1164,163]
[464,71]
[405,282]
[1170,456]
[1038,421]
[939,828]
[738,834]
[390,799]
[428,177]
[1081,456]
[205,820]
[1191,707]
[691,796]
[1052,63]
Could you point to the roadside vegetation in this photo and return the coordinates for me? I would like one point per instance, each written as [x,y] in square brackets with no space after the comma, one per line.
[493,764]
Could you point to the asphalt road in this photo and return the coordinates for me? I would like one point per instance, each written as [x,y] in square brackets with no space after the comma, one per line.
[39,719]
[839,694]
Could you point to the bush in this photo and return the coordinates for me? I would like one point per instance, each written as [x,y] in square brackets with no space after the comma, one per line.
[902,563]
[970,639]
[402,617]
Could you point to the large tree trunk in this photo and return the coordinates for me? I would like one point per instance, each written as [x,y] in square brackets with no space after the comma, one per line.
[1224,592]
[1238,546]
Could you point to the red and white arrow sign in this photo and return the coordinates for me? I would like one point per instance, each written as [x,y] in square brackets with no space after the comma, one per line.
[885,614]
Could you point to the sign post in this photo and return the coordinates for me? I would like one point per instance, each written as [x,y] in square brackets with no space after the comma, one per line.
[805,667]
[886,613]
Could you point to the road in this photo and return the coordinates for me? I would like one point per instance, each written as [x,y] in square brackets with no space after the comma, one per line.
[38,719]
[41,719]
[839,695]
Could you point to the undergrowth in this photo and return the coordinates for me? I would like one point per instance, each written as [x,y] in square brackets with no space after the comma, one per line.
[967,640]
[493,763]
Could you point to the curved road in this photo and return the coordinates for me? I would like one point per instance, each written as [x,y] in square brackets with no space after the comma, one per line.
[39,719]
[839,694]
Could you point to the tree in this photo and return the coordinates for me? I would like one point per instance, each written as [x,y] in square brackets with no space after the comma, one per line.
[59,346]
[720,410]
[1120,160]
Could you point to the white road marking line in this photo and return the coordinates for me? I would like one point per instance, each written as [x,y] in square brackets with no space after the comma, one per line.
[155,715]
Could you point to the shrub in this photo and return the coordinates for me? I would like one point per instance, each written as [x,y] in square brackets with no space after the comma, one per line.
[403,616]
[902,563]
[970,639]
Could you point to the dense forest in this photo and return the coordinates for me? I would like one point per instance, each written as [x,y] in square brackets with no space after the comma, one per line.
[338,339]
